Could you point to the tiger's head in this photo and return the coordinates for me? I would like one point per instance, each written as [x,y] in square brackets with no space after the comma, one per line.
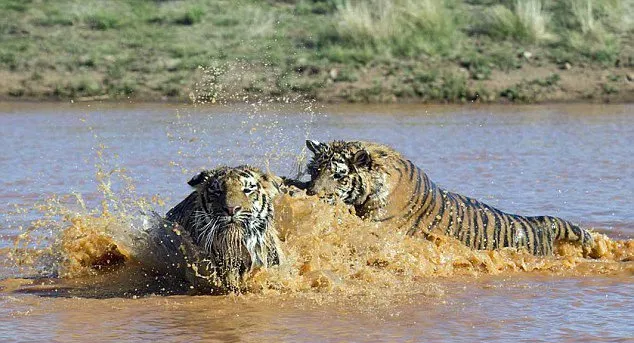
[233,219]
[343,170]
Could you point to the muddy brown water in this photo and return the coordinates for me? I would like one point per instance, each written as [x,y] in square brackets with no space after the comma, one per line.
[573,161]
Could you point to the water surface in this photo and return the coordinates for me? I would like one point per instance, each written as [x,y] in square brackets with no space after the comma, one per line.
[573,161]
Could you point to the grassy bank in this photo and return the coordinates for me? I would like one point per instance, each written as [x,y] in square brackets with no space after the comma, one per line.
[331,50]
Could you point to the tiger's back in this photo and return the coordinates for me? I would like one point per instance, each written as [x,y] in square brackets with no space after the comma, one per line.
[422,207]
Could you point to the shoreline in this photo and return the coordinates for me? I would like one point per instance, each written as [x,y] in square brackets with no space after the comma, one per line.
[133,102]
[527,85]
[624,100]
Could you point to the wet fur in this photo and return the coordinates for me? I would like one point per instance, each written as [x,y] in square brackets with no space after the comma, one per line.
[238,245]
[383,186]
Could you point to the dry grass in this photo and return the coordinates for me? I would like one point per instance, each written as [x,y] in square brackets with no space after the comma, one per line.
[401,27]
[526,22]
[599,25]
[533,20]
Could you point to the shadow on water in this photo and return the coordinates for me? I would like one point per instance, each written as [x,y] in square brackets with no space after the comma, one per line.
[158,260]
[126,282]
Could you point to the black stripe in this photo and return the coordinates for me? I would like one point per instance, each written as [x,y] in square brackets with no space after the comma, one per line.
[497,228]
[414,226]
[429,198]
[545,242]
[417,202]
[518,230]
[526,227]
[453,213]
[471,224]
[384,219]
[563,233]
[265,202]
[464,217]
[413,199]
[510,230]
[477,231]
[425,204]
[485,227]
[353,184]
[245,173]
[441,210]
[411,167]
[504,231]
[459,234]
[459,215]
[570,230]
[399,171]
[535,231]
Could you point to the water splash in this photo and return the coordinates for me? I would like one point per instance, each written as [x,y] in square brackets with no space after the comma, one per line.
[330,251]
[261,138]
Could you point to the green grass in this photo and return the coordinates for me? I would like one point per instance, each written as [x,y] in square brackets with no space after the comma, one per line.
[367,50]
[398,27]
[532,90]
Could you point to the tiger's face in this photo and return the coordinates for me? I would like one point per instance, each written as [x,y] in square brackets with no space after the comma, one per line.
[339,171]
[234,216]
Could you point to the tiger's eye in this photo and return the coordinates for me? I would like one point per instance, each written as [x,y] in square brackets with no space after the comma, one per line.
[215,191]
[248,189]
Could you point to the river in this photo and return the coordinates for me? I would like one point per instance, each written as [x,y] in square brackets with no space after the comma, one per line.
[573,161]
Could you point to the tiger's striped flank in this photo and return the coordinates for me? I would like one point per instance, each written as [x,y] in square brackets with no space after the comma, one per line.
[385,187]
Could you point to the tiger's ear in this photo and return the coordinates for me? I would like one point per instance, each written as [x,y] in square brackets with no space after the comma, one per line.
[199,179]
[316,147]
[361,159]
[276,183]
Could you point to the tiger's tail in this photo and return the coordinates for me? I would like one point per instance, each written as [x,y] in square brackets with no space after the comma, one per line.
[566,231]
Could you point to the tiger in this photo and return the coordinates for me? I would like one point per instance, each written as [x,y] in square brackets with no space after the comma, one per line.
[385,187]
[229,216]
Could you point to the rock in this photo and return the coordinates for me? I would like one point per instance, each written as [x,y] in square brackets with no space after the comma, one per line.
[171,64]
[85,60]
[93,98]
[566,66]
[630,77]
[527,55]
[333,74]
[109,58]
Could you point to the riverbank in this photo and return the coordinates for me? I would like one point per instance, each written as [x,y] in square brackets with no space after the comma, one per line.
[448,51]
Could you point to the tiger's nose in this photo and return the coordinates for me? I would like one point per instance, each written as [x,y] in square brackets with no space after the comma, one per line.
[232,210]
